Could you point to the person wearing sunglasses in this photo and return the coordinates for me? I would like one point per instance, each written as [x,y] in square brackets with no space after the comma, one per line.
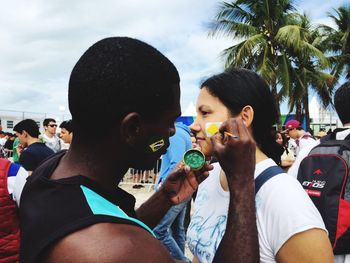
[50,137]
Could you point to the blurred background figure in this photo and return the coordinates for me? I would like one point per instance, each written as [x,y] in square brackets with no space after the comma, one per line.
[49,136]
[287,157]
[320,134]
[66,133]
[32,151]
[301,137]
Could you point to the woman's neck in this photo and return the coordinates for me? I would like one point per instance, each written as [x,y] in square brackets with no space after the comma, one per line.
[260,156]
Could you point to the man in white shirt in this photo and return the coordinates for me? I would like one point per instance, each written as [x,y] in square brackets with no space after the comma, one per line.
[301,137]
[49,137]
[342,106]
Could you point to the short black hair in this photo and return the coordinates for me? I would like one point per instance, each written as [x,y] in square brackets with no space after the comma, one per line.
[47,121]
[116,76]
[342,102]
[237,88]
[67,125]
[28,125]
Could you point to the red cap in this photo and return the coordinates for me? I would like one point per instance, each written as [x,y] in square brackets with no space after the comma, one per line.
[292,124]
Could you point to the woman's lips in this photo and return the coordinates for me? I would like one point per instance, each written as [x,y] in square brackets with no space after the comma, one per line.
[198,139]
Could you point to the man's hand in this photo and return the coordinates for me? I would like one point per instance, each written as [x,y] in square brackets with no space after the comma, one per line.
[177,188]
[234,148]
[182,182]
[19,149]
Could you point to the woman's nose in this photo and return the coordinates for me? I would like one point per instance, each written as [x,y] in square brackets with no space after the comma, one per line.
[195,127]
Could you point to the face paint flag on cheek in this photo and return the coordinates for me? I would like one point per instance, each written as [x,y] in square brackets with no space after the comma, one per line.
[158,144]
[211,128]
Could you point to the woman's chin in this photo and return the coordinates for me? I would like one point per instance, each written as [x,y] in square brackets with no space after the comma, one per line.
[208,154]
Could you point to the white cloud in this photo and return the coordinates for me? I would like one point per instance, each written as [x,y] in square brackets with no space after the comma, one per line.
[40,41]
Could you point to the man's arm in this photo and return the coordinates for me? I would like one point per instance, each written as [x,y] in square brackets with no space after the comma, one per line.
[236,155]
[179,186]
[156,207]
[106,242]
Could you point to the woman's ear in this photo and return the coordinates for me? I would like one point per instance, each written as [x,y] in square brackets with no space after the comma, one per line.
[247,115]
[130,128]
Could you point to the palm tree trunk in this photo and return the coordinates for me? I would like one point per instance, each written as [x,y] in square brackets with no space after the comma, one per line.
[274,93]
[306,109]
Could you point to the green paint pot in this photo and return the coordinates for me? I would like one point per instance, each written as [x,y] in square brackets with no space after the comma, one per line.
[194,158]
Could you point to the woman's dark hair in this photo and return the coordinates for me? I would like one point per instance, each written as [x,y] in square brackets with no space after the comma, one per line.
[283,136]
[237,88]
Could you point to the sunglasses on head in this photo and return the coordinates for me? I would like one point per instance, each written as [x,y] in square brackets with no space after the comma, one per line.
[53,125]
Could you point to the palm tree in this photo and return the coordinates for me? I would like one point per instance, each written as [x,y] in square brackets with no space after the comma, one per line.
[307,65]
[256,22]
[337,41]
[274,44]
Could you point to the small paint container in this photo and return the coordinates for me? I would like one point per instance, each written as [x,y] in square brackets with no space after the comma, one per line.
[194,158]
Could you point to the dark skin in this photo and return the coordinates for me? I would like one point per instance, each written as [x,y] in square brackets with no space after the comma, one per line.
[241,231]
[106,242]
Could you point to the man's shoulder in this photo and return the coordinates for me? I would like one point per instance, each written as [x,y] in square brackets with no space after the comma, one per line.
[38,146]
[107,242]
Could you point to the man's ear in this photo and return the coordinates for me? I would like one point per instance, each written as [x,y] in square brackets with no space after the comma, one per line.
[247,115]
[24,133]
[130,128]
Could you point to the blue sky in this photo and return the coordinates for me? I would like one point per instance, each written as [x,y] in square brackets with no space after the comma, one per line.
[40,41]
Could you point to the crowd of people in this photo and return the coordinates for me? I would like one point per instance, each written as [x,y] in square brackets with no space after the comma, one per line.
[71,208]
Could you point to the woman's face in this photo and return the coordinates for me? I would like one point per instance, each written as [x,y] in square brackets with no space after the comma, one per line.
[209,109]
[279,139]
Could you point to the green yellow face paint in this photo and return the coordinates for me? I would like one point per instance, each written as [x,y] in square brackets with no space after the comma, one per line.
[194,158]
[156,146]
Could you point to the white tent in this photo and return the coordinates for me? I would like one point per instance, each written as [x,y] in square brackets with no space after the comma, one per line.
[190,110]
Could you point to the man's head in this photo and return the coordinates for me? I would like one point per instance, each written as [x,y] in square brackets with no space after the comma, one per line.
[342,103]
[50,126]
[132,89]
[26,130]
[292,127]
[66,131]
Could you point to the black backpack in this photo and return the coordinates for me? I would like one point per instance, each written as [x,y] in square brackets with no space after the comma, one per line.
[324,174]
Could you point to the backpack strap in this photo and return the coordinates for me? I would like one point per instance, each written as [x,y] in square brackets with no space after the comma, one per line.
[266,175]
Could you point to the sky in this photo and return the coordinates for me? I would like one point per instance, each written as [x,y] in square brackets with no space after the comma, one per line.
[40,42]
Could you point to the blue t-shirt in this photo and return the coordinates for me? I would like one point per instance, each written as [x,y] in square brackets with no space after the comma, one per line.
[179,144]
[33,155]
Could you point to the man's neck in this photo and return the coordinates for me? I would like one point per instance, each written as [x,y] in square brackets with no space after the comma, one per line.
[101,168]
[32,140]
[301,133]
[346,125]
[48,134]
